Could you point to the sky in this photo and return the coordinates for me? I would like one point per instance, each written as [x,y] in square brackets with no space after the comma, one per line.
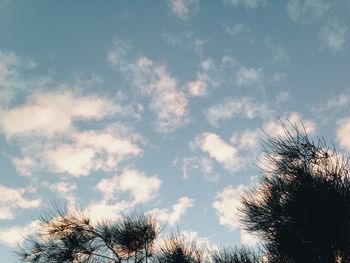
[116,106]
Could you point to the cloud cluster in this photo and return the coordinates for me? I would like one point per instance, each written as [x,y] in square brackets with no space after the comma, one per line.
[166,100]
[172,216]
[14,235]
[231,107]
[39,115]
[142,188]
[227,205]
[301,11]
[333,36]
[245,3]
[183,9]
[248,76]
[225,154]
[13,199]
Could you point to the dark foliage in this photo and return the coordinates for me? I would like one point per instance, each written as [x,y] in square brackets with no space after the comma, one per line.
[178,250]
[236,255]
[70,237]
[302,208]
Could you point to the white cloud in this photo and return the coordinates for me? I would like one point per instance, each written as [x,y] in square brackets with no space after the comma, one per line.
[41,111]
[173,216]
[333,36]
[227,205]
[152,80]
[13,199]
[142,188]
[65,190]
[245,3]
[224,153]
[231,107]
[342,132]
[301,11]
[16,235]
[86,152]
[24,166]
[198,87]
[183,9]
[248,139]
[202,164]
[71,159]
[248,76]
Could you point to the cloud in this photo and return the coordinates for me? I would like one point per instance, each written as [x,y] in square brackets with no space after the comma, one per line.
[248,139]
[224,153]
[12,80]
[237,29]
[342,132]
[245,3]
[198,87]
[183,9]
[248,76]
[91,151]
[39,114]
[65,190]
[333,36]
[279,54]
[142,188]
[204,165]
[13,199]
[168,103]
[173,216]
[301,11]
[227,205]
[232,107]
[16,235]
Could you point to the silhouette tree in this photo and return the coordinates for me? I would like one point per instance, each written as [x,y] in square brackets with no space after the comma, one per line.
[177,250]
[236,255]
[66,236]
[302,207]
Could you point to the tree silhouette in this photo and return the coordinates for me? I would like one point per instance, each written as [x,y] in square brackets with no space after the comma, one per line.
[66,236]
[302,207]
[177,250]
[236,255]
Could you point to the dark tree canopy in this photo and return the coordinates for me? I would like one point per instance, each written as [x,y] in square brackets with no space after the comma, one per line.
[302,207]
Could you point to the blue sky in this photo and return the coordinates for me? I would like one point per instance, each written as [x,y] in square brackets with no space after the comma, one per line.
[120,105]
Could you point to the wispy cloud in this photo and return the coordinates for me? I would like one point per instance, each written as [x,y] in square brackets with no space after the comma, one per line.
[167,101]
[301,11]
[204,165]
[248,76]
[333,36]
[233,107]
[184,9]
[173,216]
[245,3]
